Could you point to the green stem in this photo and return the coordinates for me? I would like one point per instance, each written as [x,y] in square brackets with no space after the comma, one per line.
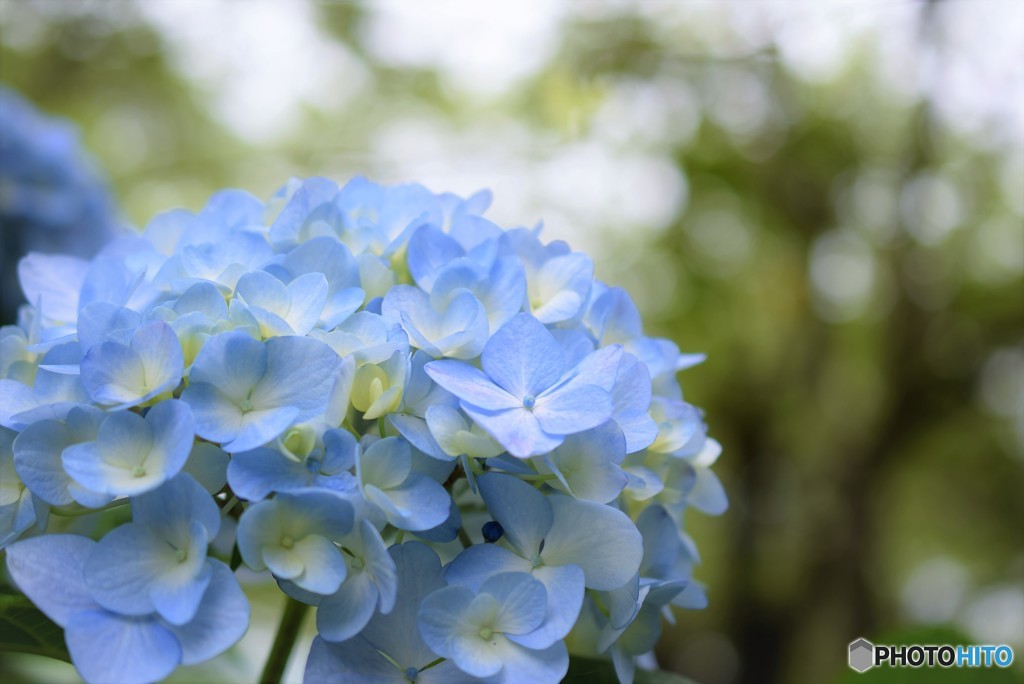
[464,537]
[287,632]
[74,510]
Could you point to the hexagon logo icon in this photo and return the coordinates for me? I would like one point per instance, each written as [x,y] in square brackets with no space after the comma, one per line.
[862,655]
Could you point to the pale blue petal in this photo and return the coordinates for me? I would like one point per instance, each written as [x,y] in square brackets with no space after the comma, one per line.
[316,511]
[173,427]
[588,461]
[307,297]
[355,660]
[98,321]
[232,362]
[283,563]
[204,298]
[600,539]
[416,432]
[708,494]
[524,513]
[323,567]
[476,563]
[48,570]
[446,531]
[565,589]
[522,601]
[178,601]
[523,358]
[441,618]
[396,633]
[341,305]
[379,565]
[614,317]
[340,448]
[125,565]
[661,542]
[259,427]
[517,429]
[300,373]
[429,251]
[170,510]
[419,503]
[471,385]
[386,463]
[111,648]
[253,475]
[259,288]
[542,666]
[344,614]
[112,373]
[160,352]
[217,417]
[208,464]
[53,281]
[600,368]
[573,409]
[504,291]
[37,451]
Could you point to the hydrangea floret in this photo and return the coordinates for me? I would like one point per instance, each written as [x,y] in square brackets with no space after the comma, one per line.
[449,438]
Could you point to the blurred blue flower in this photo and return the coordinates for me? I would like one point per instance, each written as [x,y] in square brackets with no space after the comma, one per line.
[52,198]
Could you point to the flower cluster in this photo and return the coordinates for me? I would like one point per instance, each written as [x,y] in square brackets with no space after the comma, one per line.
[52,199]
[448,437]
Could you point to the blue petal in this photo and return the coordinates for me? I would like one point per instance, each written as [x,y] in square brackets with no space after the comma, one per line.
[49,572]
[344,614]
[476,563]
[523,512]
[300,373]
[600,539]
[232,362]
[522,601]
[573,409]
[441,618]
[419,503]
[170,510]
[523,358]
[565,589]
[253,475]
[522,664]
[218,418]
[111,648]
[37,452]
[517,429]
[260,427]
[471,385]
[428,252]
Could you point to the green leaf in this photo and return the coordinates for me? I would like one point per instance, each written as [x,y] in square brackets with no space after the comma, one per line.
[24,629]
[597,671]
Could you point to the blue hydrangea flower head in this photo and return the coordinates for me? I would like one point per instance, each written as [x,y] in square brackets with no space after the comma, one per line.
[449,438]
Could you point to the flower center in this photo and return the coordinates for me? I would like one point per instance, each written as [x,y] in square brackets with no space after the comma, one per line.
[181,555]
[246,405]
[138,471]
[287,542]
[411,673]
[529,401]
[486,633]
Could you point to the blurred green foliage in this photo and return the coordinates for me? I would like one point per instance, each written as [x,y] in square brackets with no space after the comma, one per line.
[850,260]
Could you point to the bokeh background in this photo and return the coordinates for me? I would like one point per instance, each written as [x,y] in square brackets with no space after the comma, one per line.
[826,197]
